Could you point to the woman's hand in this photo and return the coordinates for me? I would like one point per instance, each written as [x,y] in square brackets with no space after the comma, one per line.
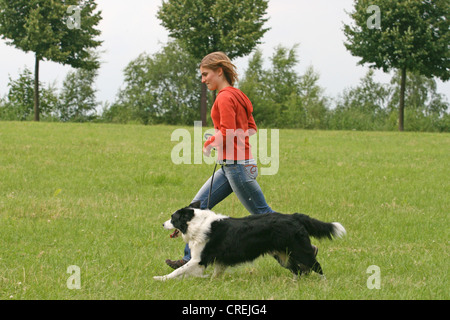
[207,151]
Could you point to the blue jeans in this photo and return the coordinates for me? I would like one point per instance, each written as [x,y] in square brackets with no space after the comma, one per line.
[237,178]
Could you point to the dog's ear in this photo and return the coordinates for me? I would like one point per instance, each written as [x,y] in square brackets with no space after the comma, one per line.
[185,215]
[195,205]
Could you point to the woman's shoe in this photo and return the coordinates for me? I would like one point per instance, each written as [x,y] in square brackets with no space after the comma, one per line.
[175,264]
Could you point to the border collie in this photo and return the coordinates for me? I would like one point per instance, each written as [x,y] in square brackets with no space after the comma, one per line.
[224,241]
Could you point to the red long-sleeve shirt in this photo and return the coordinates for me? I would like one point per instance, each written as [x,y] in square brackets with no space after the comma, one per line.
[234,123]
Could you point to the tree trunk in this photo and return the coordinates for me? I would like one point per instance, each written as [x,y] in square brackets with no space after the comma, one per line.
[401,108]
[36,89]
[203,107]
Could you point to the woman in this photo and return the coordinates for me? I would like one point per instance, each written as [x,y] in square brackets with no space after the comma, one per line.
[234,123]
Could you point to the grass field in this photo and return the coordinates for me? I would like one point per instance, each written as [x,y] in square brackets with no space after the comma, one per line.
[95,196]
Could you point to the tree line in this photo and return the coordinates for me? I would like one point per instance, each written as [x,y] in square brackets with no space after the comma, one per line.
[408,36]
[163,88]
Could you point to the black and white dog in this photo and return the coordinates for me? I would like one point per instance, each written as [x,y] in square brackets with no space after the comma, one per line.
[224,241]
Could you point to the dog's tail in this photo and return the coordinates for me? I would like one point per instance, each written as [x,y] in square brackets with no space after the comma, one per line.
[320,229]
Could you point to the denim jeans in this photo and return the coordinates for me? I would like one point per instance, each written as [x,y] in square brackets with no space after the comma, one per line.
[237,178]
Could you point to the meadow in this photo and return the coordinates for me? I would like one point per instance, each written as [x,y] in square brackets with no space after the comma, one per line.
[95,196]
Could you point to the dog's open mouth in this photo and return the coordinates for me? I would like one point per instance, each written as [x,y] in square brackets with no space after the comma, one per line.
[175,234]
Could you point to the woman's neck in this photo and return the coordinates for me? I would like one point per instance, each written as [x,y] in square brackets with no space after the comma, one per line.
[223,85]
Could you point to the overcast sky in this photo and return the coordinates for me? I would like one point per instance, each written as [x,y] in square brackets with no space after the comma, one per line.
[131,27]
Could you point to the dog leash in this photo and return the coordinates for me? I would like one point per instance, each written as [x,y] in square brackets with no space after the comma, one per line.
[207,135]
[210,188]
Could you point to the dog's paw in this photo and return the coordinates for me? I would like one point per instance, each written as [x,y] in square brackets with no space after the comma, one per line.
[160,278]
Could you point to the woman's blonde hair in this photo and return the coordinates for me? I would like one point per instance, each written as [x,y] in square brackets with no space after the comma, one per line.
[218,60]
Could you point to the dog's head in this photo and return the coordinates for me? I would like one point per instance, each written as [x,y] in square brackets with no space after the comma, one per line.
[180,218]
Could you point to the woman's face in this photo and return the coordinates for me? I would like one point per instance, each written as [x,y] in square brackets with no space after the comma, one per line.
[213,79]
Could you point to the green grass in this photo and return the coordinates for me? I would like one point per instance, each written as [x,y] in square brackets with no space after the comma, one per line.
[95,196]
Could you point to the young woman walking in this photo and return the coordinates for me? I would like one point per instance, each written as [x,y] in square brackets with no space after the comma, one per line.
[233,124]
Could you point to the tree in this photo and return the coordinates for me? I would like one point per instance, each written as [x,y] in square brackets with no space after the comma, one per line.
[427,109]
[280,96]
[159,88]
[313,100]
[20,98]
[77,99]
[254,84]
[283,85]
[363,107]
[274,92]
[408,35]
[204,26]
[46,28]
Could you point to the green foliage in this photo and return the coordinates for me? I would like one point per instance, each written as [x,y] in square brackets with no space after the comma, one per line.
[414,35]
[280,97]
[204,26]
[18,104]
[426,109]
[313,100]
[271,91]
[363,107]
[372,106]
[254,86]
[77,100]
[40,26]
[164,87]
[421,95]
[159,88]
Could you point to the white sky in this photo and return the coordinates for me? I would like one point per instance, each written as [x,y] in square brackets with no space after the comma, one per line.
[131,27]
